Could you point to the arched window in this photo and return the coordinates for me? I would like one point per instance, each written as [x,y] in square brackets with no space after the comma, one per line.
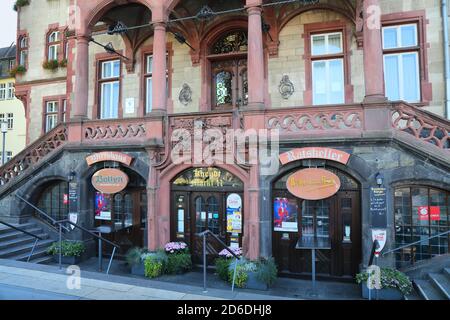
[228,57]
[420,212]
[23,51]
[53,45]
[53,200]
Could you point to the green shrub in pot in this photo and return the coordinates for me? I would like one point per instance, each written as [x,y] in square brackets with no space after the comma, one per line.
[390,279]
[68,248]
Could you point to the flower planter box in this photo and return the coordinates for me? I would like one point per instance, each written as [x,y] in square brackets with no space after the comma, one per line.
[67,260]
[138,269]
[381,294]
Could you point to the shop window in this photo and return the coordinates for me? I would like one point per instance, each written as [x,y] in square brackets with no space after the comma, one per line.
[327,55]
[401,63]
[109,88]
[229,70]
[23,50]
[53,200]
[420,213]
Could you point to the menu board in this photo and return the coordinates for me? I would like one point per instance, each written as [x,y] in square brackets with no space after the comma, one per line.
[378,207]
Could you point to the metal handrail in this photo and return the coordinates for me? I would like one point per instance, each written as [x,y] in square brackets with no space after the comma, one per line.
[204,235]
[27,233]
[416,242]
[100,238]
[375,246]
[53,221]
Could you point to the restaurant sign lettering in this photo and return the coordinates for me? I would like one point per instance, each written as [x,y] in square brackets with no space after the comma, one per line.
[313,184]
[110,181]
[109,156]
[315,153]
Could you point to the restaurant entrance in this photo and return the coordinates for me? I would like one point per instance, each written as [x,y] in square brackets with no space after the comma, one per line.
[200,201]
[335,221]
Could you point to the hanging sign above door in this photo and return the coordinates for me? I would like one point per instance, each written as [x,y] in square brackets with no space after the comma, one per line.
[315,153]
[110,181]
[313,184]
[109,156]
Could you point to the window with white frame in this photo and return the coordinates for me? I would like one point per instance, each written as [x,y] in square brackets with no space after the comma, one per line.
[401,63]
[10,91]
[8,157]
[53,45]
[109,89]
[12,63]
[64,110]
[23,50]
[2,91]
[51,115]
[148,82]
[10,120]
[327,59]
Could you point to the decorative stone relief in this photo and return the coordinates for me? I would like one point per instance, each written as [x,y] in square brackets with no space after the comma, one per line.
[286,87]
[185,95]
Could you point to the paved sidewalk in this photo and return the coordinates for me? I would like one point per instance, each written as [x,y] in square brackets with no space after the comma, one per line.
[30,281]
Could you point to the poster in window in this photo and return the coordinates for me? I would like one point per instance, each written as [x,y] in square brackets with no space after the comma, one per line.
[433,213]
[285,215]
[234,213]
[102,206]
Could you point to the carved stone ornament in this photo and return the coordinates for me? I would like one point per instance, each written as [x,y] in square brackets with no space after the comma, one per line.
[286,87]
[185,95]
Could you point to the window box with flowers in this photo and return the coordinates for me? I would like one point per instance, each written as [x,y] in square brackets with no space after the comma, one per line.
[394,284]
[179,258]
[17,70]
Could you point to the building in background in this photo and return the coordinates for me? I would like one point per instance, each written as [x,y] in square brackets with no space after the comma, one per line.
[11,108]
[358,94]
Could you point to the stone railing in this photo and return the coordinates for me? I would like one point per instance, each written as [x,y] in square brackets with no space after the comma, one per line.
[327,120]
[125,130]
[423,125]
[33,154]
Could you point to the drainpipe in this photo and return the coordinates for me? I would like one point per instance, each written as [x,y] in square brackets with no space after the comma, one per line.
[446,58]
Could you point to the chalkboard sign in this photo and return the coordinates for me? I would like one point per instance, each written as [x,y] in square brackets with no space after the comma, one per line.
[378,207]
[73,197]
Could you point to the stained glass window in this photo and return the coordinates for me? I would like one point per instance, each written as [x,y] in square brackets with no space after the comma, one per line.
[232,42]
[223,87]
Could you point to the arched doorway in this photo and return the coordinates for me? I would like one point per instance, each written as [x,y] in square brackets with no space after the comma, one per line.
[53,199]
[336,220]
[122,215]
[207,199]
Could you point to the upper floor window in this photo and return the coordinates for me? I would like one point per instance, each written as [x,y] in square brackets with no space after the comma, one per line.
[148,81]
[9,118]
[401,62]
[12,63]
[23,50]
[229,75]
[53,43]
[2,91]
[51,115]
[327,59]
[10,91]
[109,88]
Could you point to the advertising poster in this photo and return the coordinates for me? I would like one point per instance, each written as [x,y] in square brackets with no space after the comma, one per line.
[433,213]
[285,215]
[381,236]
[102,206]
[234,213]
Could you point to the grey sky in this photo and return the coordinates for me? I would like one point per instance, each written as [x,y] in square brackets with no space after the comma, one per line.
[8,23]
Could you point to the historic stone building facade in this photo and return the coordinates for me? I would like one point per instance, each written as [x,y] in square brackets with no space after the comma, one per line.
[363,78]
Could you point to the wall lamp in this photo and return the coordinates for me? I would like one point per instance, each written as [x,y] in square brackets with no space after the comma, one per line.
[108,48]
[71,176]
[181,39]
[379,179]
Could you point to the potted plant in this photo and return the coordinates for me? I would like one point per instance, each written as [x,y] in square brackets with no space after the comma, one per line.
[179,259]
[135,258]
[259,275]
[155,263]
[71,251]
[394,284]
[223,262]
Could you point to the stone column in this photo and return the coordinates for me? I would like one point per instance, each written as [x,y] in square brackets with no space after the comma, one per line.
[79,108]
[373,52]
[159,98]
[255,55]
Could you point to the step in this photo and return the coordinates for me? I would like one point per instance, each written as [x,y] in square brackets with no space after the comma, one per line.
[428,291]
[25,248]
[21,240]
[447,272]
[26,226]
[16,234]
[441,282]
[413,296]
[38,253]
[42,260]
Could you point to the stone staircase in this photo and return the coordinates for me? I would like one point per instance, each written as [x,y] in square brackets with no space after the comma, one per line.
[16,245]
[434,286]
